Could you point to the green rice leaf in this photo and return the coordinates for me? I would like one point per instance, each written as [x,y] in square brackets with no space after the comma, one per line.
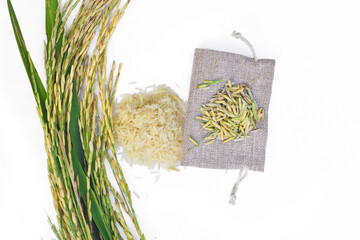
[50,9]
[35,81]
[77,154]
[96,211]
[98,217]
[74,127]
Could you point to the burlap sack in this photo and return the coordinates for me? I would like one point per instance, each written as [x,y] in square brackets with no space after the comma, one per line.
[214,65]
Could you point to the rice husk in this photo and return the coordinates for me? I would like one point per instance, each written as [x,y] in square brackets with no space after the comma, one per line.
[149,127]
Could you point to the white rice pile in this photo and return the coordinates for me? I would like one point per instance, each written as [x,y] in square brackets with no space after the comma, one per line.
[149,127]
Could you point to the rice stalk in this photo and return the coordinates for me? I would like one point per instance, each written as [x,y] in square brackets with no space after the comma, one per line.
[78,132]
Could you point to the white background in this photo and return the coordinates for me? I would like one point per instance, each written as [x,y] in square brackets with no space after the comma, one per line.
[310,187]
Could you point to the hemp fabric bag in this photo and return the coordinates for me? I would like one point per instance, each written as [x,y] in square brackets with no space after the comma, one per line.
[214,65]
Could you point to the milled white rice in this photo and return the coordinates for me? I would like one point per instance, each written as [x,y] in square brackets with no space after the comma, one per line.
[149,127]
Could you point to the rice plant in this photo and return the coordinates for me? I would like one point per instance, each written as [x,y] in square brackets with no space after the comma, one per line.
[75,110]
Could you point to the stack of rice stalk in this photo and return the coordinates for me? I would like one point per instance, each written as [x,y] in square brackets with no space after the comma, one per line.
[77,121]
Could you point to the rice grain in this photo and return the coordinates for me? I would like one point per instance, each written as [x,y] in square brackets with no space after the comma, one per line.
[149,127]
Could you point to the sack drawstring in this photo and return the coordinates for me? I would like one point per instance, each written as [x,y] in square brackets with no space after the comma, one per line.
[242,174]
[239,36]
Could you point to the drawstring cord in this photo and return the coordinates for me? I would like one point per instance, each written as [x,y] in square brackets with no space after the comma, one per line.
[242,174]
[239,36]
